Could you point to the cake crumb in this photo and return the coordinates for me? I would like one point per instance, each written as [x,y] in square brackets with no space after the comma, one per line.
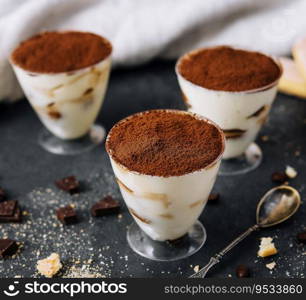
[196,268]
[291,172]
[49,266]
[271,265]
[266,247]
[265,138]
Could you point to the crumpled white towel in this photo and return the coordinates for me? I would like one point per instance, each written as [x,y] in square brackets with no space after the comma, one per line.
[143,29]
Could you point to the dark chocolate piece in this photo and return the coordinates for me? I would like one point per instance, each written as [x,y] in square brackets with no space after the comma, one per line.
[67,215]
[2,195]
[7,247]
[15,218]
[7,208]
[68,184]
[279,177]
[106,206]
[242,271]
[301,237]
[213,198]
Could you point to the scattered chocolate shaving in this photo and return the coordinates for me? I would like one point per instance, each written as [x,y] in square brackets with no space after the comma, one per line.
[67,215]
[2,195]
[233,133]
[213,198]
[257,112]
[279,177]
[106,206]
[68,184]
[7,247]
[242,271]
[301,237]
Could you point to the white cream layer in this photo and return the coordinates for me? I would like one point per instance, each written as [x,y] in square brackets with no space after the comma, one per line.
[231,111]
[67,103]
[165,207]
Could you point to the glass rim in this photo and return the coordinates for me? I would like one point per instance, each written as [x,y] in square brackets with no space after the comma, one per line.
[14,64]
[250,91]
[195,115]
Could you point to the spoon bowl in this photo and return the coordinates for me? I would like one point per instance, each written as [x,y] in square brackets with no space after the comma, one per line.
[277,205]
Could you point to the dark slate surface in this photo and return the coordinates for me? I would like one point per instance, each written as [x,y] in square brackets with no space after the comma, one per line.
[27,172]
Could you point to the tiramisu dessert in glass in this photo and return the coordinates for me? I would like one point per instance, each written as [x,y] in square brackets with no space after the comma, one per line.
[165,163]
[64,75]
[235,88]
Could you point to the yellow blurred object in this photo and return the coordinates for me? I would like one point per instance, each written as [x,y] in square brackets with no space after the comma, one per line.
[292,82]
[299,55]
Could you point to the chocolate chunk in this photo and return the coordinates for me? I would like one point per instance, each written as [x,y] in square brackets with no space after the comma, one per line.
[15,218]
[7,208]
[138,217]
[2,195]
[301,237]
[213,198]
[69,184]
[67,215]
[242,271]
[279,177]
[7,247]
[106,206]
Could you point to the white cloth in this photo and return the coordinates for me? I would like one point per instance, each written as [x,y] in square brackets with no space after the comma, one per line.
[143,29]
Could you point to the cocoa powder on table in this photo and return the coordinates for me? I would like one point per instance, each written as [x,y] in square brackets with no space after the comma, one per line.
[228,69]
[55,52]
[164,143]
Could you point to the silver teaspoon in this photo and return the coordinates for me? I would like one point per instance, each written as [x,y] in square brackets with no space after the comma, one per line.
[276,206]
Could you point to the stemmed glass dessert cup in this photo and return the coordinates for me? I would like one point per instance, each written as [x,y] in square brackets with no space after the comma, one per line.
[166,209]
[239,114]
[67,103]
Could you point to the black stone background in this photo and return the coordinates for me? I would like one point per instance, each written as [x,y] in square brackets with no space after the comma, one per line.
[27,170]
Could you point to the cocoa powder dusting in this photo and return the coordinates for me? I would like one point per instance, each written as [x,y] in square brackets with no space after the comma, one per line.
[164,143]
[228,69]
[55,52]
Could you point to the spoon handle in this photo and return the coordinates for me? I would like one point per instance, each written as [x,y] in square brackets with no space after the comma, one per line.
[216,258]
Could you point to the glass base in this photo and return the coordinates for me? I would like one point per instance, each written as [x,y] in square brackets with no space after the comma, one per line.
[55,145]
[245,163]
[170,250]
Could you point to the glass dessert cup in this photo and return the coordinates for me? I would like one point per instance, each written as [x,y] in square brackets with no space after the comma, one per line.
[166,209]
[240,115]
[67,103]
